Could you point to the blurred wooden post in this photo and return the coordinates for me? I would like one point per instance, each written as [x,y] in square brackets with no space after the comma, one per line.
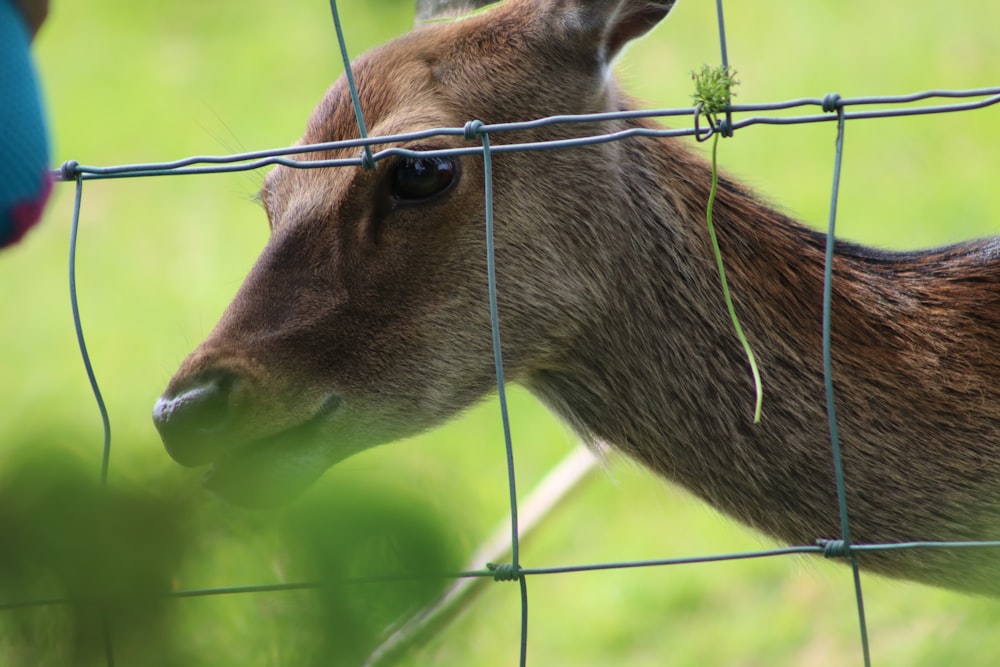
[428,9]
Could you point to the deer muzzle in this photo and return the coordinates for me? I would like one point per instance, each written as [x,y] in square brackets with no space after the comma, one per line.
[204,422]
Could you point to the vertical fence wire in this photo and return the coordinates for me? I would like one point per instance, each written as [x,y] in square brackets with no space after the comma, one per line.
[74,301]
[472,131]
[831,103]
[368,161]
[724,54]
[69,171]
[502,573]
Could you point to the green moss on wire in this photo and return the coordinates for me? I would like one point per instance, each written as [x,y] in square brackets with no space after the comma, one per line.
[713,90]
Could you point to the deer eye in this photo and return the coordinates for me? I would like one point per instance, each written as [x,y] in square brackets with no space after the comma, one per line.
[415,179]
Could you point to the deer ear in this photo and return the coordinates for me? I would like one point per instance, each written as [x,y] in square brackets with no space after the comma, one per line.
[617,22]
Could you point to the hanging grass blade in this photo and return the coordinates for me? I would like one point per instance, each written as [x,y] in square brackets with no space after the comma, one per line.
[713,90]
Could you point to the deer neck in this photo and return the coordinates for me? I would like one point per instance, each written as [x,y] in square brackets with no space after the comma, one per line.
[659,373]
[660,353]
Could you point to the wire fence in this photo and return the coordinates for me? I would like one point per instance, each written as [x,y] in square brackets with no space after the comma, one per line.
[830,108]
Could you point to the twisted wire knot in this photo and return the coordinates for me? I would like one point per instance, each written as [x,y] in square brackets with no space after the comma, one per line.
[367,159]
[472,129]
[504,571]
[834,548]
[68,171]
[725,127]
[831,102]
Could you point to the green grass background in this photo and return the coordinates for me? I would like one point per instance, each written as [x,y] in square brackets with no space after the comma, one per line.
[159,259]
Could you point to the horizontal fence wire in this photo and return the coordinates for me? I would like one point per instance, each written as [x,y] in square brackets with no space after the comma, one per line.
[826,548]
[370,150]
[248,161]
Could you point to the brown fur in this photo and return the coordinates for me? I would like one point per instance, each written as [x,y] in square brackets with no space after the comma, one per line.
[363,321]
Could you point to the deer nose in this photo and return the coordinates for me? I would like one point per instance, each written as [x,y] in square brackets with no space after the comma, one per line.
[192,422]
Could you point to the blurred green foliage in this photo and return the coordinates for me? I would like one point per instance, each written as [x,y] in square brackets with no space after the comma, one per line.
[107,555]
[159,259]
[84,567]
[381,557]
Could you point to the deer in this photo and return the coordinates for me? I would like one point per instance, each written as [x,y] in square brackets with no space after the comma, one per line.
[365,318]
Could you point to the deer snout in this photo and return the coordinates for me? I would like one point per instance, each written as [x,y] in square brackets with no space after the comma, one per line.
[192,422]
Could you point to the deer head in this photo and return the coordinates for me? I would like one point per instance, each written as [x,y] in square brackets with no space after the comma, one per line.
[365,318]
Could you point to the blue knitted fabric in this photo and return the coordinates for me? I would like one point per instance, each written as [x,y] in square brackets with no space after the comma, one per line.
[24,146]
